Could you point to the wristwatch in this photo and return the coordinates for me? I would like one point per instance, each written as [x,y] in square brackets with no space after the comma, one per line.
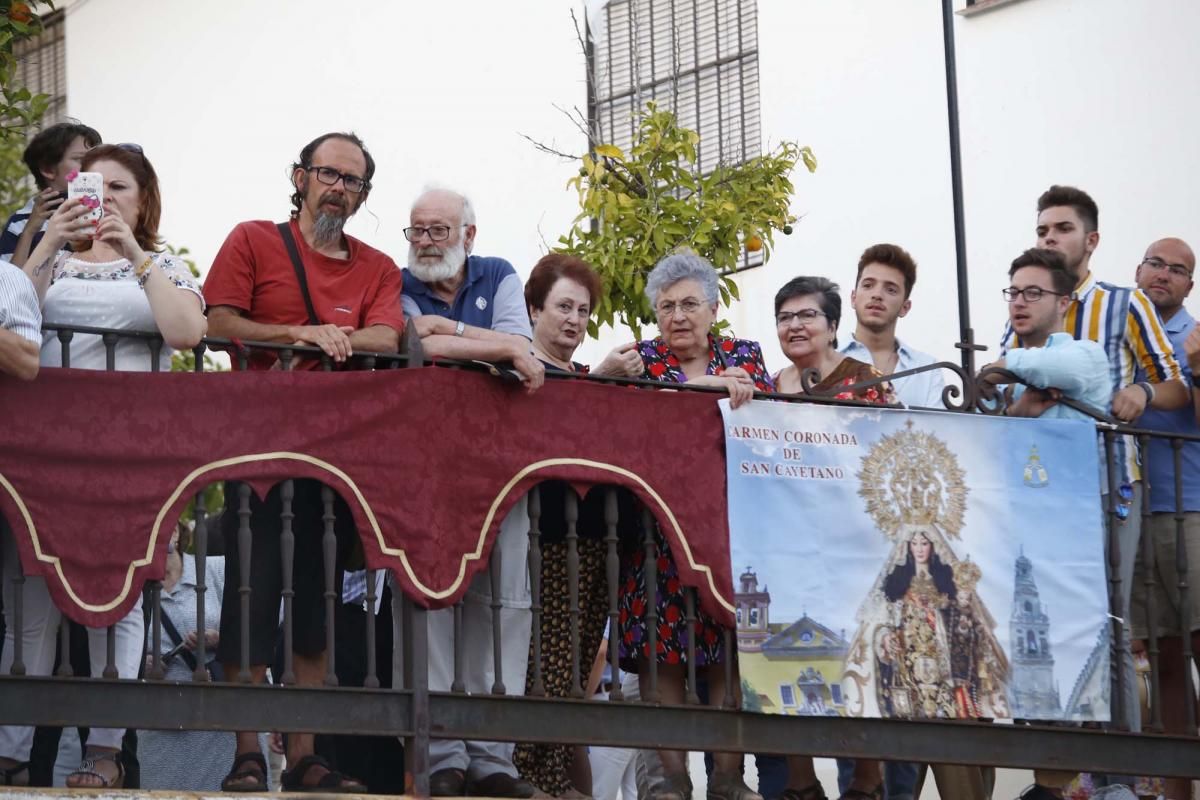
[459,328]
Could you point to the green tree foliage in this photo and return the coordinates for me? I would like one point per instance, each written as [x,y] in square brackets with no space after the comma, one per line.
[638,207]
[751,700]
[20,109]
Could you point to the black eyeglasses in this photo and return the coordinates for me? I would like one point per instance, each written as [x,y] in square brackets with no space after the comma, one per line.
[1031,293]
[330,176]
[133,148]
[805,316]
[436,233]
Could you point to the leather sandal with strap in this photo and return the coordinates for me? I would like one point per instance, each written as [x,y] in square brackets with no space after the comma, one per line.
[331,782]
[87,768]
[9,774]
[858,794]
[248,774]
[677,786]
[813,792]
[722,786]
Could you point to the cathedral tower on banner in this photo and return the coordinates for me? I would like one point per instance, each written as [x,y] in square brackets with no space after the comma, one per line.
[1033,688]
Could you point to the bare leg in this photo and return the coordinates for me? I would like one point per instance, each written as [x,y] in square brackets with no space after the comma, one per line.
[802,773]
[247,741]
[726,763]
[867,775]
[671,680]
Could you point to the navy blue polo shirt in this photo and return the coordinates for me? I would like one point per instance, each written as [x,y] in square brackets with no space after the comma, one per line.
[492,296]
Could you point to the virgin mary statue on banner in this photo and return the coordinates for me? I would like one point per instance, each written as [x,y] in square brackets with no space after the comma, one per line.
[924,646]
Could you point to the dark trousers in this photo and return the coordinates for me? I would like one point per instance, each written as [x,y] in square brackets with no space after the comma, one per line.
[377,761]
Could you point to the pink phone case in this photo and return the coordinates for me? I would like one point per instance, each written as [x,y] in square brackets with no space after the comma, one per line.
[89,187]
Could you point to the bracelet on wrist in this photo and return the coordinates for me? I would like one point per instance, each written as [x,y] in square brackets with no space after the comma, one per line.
[142,271]
[1149,390]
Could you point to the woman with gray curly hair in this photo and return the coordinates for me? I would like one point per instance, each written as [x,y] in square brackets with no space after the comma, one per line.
[683,290]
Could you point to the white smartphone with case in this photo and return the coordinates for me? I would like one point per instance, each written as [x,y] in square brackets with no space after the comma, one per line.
[89,187]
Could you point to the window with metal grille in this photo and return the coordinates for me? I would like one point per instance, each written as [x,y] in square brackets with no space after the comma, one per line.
[42,65]
[697,58]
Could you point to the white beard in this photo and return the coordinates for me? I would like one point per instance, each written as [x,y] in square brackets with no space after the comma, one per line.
[447,267]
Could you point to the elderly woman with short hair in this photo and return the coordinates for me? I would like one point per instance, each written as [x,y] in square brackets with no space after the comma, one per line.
[683,290]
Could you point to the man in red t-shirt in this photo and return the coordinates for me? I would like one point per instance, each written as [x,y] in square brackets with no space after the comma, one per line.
[254,293]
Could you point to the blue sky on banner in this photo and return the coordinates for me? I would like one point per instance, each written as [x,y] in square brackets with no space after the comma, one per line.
[812,542]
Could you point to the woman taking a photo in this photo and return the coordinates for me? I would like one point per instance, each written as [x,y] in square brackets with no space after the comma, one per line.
[112,276]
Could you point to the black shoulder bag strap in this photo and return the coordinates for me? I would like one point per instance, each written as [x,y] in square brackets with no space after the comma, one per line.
[289,241]
[188,656]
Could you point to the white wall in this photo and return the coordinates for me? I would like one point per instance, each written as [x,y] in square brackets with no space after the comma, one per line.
[1100,93]
[223,96]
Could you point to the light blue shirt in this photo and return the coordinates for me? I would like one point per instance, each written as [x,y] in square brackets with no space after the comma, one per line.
[923,389]
[1076,367]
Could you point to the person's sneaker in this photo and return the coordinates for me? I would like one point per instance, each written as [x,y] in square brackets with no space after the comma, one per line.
[501,784]
[723,786]
[1038,792]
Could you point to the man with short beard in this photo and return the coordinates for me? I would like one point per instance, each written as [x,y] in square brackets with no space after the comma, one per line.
[467,306]
[464,306]
[348,300]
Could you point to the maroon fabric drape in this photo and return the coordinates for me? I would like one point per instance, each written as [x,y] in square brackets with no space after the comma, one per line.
[95,467]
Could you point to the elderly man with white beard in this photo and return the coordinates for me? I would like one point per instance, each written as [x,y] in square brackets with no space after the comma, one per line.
[473,307]
[463,306]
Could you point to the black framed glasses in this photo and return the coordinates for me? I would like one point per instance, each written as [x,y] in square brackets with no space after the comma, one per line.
[1031,293]
[436,233]
[1156,264]
[330,176]
[805,316]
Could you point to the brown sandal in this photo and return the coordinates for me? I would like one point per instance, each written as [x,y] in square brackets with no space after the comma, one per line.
[246,766]
[858,794]
[331,782]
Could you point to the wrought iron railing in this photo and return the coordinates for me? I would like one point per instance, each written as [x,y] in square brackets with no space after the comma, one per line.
[408,709]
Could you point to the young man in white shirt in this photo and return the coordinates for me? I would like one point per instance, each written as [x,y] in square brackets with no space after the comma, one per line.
[881,296]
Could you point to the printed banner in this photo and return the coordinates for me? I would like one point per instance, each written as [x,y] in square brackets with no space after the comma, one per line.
[917,564]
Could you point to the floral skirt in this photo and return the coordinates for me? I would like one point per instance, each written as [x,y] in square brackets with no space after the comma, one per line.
[672,645]
[545,765]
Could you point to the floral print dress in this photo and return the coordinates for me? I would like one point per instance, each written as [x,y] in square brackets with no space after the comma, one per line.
[662,365]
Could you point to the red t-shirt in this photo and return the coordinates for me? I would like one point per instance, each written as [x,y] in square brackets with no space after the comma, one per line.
[253,273]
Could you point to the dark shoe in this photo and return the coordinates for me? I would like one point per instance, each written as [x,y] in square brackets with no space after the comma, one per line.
[1038,792]
[447,783]
[14,773]
[673,787]
[858,794]
[501,784]
[248,774]
[292,780]
[725,786]
[814,792]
